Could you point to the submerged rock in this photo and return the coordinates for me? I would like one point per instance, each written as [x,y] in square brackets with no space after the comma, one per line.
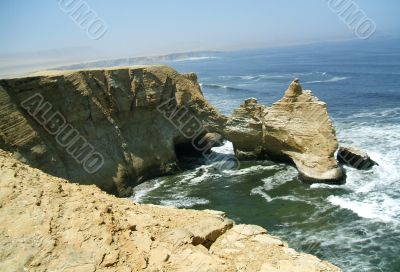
[295,129]
[355,158]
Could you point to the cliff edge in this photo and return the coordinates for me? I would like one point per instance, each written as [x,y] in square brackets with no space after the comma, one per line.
[111,127]
[49,224]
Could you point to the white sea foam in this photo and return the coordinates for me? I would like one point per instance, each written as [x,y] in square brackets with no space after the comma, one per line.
[184,202]
[204,177]
[268,198]
[193,177]
[249,77]
[140,191]
[220,86]
[289,76]
[245,77]
[372,194]
[365,209]
[279,178]
[325,186]
[185,178]
[256,77]
[294,199]
[251,169]
[274,76]
[333,79]
[283,76]
[260,191]
[202,174]
[395,112]
[226,148]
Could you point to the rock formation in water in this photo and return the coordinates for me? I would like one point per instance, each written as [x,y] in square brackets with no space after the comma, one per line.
[49,224]
[295,129]
[355,158]
[117,127]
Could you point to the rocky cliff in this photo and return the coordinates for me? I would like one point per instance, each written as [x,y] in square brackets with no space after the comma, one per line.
[49,224]
[117,127]
[109,127]
[295,129]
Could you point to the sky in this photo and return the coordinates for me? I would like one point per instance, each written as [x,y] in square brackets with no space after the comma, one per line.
[153,27]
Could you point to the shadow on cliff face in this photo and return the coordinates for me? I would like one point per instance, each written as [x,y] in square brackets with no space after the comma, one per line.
[187,156]
[190,156]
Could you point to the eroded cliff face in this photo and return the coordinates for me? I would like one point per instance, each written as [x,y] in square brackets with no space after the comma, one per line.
[295,129]
[117,127]
[109,127]
[49,224]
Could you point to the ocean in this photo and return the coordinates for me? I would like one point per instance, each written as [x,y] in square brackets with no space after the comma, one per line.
[355,226]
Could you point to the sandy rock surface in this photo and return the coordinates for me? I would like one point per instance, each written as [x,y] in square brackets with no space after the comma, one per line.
[49,224]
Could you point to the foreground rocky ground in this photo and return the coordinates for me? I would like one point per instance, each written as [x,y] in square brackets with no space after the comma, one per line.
[48,224]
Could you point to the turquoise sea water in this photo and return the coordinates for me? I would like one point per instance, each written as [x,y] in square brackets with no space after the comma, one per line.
[357,225]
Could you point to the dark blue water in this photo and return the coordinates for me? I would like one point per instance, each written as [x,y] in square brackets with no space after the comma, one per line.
[356,226]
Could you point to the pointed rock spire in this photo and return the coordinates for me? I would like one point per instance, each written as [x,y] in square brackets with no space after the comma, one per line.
[294,89]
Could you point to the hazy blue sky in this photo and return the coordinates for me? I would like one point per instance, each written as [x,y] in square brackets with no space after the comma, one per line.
[156,27]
